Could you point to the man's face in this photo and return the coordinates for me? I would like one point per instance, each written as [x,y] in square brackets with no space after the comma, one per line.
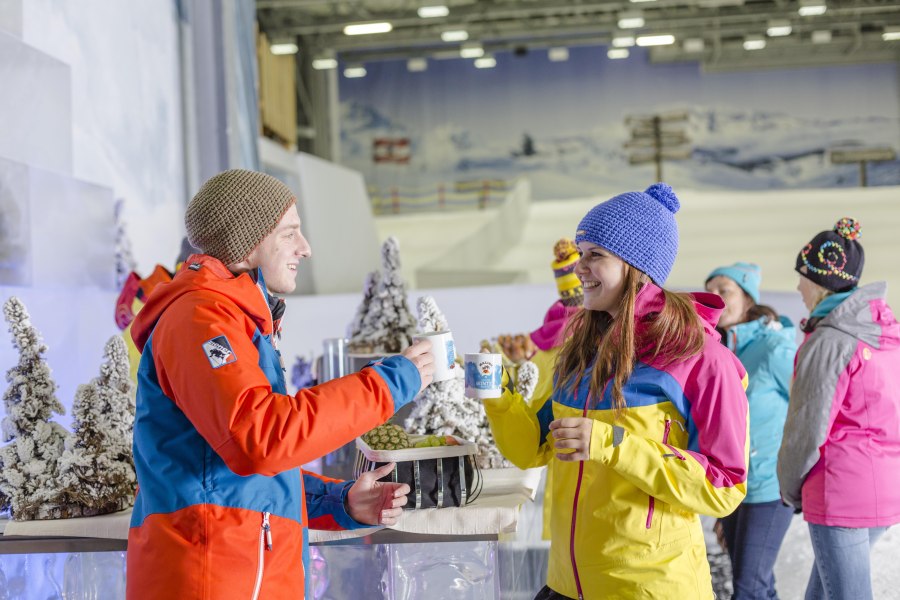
[278,255]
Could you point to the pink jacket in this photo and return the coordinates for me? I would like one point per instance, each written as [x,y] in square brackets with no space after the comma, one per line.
[840,455]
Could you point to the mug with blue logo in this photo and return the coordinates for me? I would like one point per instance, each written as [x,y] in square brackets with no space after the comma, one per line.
[444,352]
[484,374]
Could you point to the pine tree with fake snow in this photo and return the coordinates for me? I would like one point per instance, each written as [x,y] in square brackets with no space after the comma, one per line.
[96,470]
[388,325]
[125,262]
[370,286]
[443,408]
[28,463]
[430,316]
[527,379]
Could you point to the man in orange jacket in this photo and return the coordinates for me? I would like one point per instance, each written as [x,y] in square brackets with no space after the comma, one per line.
[223,506]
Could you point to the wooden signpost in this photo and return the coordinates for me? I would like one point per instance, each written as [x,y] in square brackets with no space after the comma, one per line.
[862,156]
[656,138]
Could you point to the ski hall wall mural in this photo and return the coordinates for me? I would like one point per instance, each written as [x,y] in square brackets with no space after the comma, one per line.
[578,128]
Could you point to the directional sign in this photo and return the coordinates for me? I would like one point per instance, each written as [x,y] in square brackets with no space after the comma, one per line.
[854,155]
[666,139]
[669,117]
[667,154]
[650,143]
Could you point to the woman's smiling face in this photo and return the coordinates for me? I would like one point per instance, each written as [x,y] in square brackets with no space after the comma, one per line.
[602,275]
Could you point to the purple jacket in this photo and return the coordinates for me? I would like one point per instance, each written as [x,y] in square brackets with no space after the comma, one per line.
[840,455]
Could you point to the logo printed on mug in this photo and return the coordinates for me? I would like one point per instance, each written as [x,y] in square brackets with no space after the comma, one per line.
[451,355]
[444,351]
[484,374]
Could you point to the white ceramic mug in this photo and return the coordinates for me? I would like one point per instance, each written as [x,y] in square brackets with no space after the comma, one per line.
[444,351]
[484,374]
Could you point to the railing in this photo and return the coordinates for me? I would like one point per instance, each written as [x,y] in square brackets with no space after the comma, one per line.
[459,195]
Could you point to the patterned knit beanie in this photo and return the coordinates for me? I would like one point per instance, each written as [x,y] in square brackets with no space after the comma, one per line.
[234,211]
[747,275]
[638,227]
[565,254]
[834,259]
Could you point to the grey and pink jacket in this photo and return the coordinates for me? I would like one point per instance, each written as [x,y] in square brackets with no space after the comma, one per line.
[840,456]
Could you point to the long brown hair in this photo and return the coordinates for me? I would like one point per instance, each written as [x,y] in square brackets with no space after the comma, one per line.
[612,345]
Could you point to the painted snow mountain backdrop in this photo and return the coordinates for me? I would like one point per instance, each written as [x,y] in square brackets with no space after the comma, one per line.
[767,130]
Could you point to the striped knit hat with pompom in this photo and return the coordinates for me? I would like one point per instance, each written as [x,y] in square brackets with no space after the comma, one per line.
[834,259]
[638,227]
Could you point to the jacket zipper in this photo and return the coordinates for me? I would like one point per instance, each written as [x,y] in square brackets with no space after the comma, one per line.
[575,500]
[265,543]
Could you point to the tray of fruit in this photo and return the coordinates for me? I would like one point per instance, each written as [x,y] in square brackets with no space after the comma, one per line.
[430,464]
[390,443]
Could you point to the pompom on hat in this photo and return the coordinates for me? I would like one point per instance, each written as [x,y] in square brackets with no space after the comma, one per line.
[834,259]
[234,211]
[568,285]
[638,227]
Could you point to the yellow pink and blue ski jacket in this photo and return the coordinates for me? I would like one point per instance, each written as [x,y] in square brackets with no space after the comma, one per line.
[624,522]
[222,508]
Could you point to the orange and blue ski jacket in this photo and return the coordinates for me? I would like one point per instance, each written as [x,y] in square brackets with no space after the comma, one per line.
[624,523]
[222,508]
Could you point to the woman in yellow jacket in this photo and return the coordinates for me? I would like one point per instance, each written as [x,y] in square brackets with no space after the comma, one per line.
[647,422]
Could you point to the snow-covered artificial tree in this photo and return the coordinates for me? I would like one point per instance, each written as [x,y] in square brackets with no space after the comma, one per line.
[527,379]
[370,286]
[28,463]
[443,408]
[125,262]
[388,325]
[96,470]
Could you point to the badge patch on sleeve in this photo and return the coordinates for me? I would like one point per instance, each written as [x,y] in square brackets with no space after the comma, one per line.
[219,352]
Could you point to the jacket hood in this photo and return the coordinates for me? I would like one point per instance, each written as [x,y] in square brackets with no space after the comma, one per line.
[743,334]
[207,274]
[866,316]
[650,299]
[550,334]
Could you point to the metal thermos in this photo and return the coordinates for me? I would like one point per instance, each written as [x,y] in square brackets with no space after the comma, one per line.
[334,359]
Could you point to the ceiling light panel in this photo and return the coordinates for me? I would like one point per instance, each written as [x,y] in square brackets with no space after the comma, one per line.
[368,28]
[559,54]
[455,35]
[631,20]
[434,11]
[754,42]
[779,28]
[655,40]
[471,51]
[485,62]
[281,49]
[812,8]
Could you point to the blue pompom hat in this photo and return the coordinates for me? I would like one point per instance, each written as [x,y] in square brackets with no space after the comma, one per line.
[638,227]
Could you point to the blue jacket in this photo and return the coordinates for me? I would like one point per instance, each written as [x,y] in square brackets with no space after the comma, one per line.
[767,352]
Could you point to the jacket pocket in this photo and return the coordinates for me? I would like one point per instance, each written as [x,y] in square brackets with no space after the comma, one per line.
[651,503]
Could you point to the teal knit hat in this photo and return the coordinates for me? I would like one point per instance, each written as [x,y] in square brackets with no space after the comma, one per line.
[746,275]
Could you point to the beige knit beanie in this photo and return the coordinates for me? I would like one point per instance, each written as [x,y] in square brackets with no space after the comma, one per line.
[234,211]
